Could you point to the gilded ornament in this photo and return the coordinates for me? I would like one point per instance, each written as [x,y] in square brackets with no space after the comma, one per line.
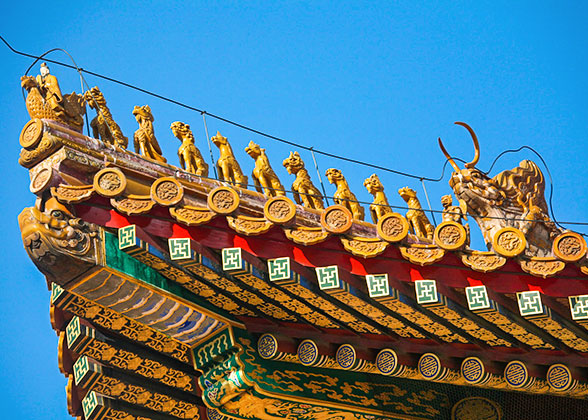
[167,191]
[144,138]
[190,157]
[223,200]
[249,225]
[31,134]
[542,267]
[482,261]
[103,125]
[303,189]
[422,254]
[41,180]
[513,198]
[559,377]
[379,207]
[133,204]
[279,210]
[336,219]
[44,100]
[364,247]
[509,242]
[306,235]
[570,247]
[476,408]
[191,216]
[30,157]
[417,219]
[450,235]
[393,227]
[72,194]
[110,182]
[265,179]
[227,165]
[343,196]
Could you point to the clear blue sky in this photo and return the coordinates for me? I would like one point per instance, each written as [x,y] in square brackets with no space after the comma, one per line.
[377,81]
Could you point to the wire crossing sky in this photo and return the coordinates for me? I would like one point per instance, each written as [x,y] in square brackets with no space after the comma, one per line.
[375,82]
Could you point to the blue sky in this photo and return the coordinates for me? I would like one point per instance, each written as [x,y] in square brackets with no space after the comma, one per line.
[376,81]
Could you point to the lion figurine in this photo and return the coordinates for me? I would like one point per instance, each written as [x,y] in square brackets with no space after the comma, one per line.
[265,179]
[417,219]
[304,191]
[343,195]
[190,157]
[228,167]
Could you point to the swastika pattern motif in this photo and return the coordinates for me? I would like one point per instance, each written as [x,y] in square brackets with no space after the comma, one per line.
[426,291]
[279,269]
[579,307]
[89,403]
[179,248]
[377,285]
[80,368]
[126,236]
[477,297]
[232,259]
[328,277]
[530,303]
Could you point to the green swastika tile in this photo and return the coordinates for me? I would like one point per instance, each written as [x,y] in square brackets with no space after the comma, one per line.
[179,248]
[232,259]
[127,236]
[477,297]
[579,307]
[73,330]
[80,367]
[426,291]
[530,303]
[328,277]
[377,285]
[279,269]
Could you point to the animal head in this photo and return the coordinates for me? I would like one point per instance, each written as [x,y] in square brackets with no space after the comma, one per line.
[447,200]
[182,131]
[219,140]
[94,98]
[293,163]
[254,150]
[373,184]
[407,193]
[334,175]
[28,82]
[143,112]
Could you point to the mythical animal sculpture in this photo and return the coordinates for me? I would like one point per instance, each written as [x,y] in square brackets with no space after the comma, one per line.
[379,207]
[417,219]
[343,195]
[452,213]
[265,179]
[228,167]
[304,191]
[512,198]
[190,157]
[61,245]
[103,125]
[144,139]
[44,100]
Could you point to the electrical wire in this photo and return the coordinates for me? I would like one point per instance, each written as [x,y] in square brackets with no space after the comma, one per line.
[311,149]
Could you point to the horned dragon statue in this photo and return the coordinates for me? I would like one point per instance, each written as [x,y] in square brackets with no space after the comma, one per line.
[513,198]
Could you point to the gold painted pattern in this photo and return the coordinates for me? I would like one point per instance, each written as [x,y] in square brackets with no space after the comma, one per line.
[139,395]
[377,315]
[337,313]
[305,311]
[131,329]
[127,360]
[516,330]
[469,326]
[423,321]
[192,284]
[561,333]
